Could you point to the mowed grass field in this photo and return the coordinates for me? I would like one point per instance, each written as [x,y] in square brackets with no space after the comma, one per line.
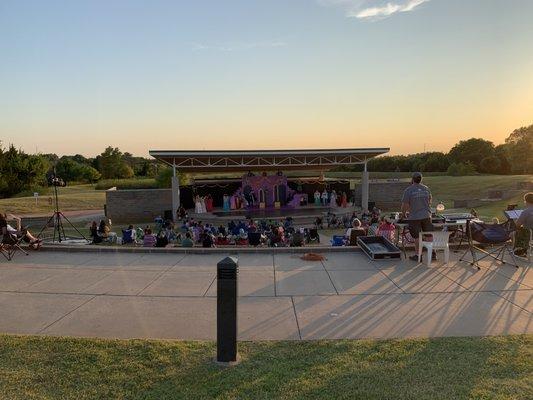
[432,369]
[71,198]
[444,188]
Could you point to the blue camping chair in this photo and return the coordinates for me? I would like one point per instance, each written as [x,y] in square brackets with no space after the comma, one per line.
[337,240]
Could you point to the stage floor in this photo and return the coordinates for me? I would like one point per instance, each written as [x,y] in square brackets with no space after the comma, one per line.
[277,212]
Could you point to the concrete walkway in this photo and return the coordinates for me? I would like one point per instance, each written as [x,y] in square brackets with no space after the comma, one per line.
[282,297]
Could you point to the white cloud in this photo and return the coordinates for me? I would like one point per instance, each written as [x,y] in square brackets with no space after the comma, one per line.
[238,46]
[372,9]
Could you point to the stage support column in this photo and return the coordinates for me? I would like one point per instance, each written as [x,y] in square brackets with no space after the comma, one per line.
[175,193]
[364,188]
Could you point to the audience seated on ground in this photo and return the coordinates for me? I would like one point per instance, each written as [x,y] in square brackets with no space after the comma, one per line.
[93,233]
[207,239]
[161,240]
[297,238]
[386,229]
[312,235]
[187,241]
[149,239]
[128,235]
[254,238]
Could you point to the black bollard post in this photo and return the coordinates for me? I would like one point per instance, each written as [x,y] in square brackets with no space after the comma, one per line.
[227,310]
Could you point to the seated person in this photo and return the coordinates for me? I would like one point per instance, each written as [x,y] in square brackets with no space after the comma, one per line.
[207,239]
[149,239]
[297,239]
[386,229]
[242,238]
[103,230]
[187,241]
[161,240]
[366,216]
[373,227]
[319,223]
[182,213]
[128,235]
[276,237]
[524,223]
[221,240]
[346,222]
[356,226]
[93,233]
[19,232]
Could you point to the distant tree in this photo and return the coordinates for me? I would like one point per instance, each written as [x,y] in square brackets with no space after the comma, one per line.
[71,170]
[112,165]
[435,162]
[20,171]
[461,169]
[502,152]
[520,150]
[490,165]
[471,150]
[164,178]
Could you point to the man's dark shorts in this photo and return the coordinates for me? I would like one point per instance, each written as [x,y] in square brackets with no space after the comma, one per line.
[420,225]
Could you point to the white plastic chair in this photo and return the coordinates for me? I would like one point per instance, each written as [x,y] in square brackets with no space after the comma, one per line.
[440,241]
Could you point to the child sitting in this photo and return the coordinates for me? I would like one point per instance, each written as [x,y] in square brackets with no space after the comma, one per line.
[386,229]
[149,239]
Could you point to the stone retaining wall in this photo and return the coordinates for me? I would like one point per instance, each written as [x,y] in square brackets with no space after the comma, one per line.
[137,205]
[386,195]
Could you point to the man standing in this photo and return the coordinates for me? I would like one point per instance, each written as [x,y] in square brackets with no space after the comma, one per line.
[416,203]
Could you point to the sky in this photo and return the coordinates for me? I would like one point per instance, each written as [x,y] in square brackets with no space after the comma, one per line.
[413,75]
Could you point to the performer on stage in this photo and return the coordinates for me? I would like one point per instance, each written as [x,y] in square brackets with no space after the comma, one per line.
[226,206]
[325,198]
[197,205]
[233,203]
[344,200]
[317,198]
[209,203]
[333,199]
[202,205]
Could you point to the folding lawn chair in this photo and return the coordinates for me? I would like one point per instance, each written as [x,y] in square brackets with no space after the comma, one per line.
[497,237]
[10,244]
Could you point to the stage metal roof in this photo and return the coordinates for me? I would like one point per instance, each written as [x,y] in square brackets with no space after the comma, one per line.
[264,160]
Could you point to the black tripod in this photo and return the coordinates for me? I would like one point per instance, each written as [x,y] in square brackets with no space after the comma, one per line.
[57,218]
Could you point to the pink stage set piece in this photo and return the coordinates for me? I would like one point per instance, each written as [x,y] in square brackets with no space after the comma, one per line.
[264,191]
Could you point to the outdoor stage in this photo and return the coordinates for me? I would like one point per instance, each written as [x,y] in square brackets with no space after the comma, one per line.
[264,181]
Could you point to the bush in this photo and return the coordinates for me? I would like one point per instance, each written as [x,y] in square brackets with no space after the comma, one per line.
[461,169]
[127,184]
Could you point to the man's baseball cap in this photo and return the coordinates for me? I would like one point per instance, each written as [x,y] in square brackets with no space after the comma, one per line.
[417,175]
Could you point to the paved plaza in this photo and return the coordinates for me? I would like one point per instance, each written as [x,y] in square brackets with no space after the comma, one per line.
[173,296]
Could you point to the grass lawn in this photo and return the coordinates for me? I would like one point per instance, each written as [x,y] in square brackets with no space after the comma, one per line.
[446,368]
[78,197]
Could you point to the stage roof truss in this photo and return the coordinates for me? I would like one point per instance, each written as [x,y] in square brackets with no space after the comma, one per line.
[231,161]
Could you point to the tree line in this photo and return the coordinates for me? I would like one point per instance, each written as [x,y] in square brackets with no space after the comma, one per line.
[20,172]
[468,157]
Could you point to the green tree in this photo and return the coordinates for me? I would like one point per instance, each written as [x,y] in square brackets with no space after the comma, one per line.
[472,150]
[461,169]
[490,165]
[520,150]
[164,178]
[20,171]
[112,165]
